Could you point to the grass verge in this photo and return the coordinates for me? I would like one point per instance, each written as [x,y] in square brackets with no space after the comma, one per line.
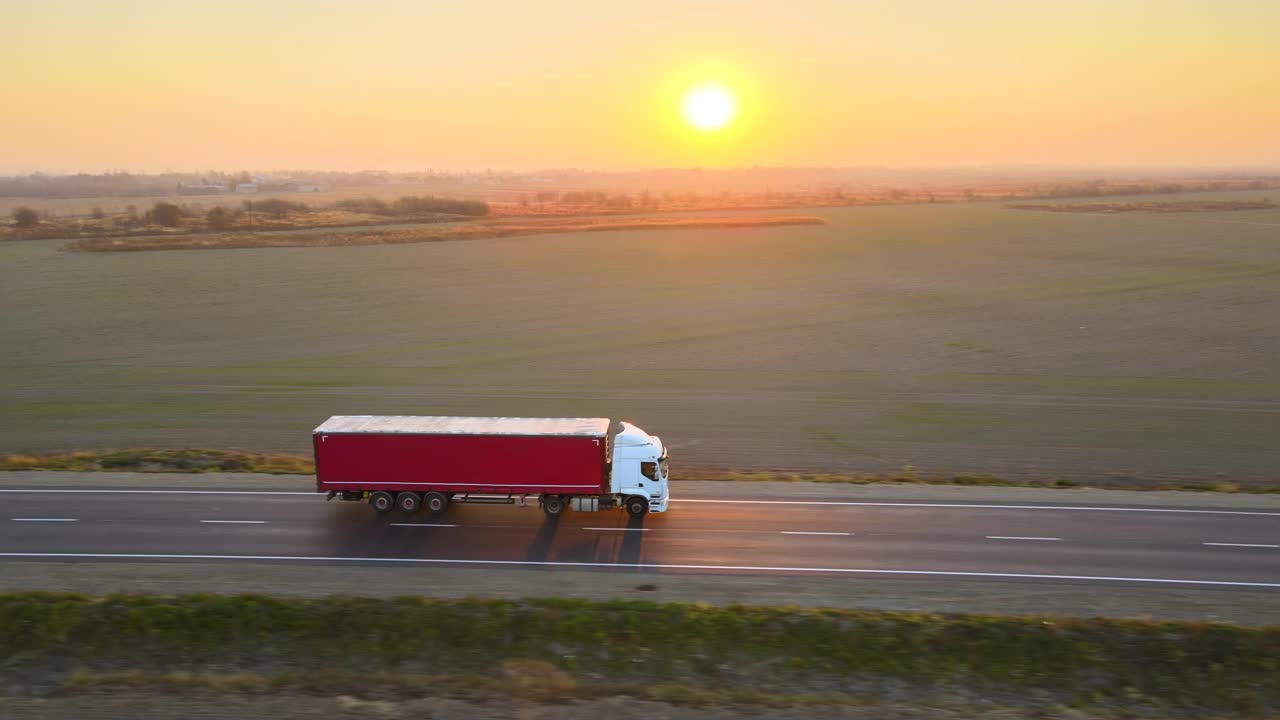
[199,460]
[678,653]
[910,476]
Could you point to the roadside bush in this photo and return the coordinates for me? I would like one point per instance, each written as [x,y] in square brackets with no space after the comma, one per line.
[166,214]
[410,204]
[219,218]
[371,206]
[583,198]
[277,208]
[619,202]
[25,217]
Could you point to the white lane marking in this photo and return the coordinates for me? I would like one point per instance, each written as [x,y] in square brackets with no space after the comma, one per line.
[1251,545]
[45,519]
[236,522]
[1016,537]
[639,566]
[803,532]
[619,529]
[421,525]
[846,503]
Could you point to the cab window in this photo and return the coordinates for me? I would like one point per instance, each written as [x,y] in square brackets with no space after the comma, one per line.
[649,470]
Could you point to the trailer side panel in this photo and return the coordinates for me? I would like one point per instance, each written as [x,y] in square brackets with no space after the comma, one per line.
[515,464]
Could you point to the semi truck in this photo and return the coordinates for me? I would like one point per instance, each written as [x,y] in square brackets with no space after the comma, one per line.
[426,462]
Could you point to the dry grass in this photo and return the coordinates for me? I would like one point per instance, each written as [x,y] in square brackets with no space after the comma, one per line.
[611,703]
[908,475]
[474,231]
[192,460]
[202,460]
[537,682]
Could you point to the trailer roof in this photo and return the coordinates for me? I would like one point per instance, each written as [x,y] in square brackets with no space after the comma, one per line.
[446,425]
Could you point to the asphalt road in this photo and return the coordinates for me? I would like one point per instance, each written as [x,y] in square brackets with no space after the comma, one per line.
[801,536]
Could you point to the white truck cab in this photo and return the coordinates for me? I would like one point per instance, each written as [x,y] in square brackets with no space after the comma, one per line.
[639,476]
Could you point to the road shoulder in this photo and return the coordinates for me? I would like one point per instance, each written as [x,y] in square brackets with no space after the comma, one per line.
[905,595]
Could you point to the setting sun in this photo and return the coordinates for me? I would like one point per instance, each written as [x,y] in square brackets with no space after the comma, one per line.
[709,107]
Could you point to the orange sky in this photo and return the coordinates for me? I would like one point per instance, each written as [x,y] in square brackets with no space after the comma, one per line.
[184,84]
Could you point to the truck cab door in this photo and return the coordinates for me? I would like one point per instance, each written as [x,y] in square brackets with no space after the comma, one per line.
[627,479]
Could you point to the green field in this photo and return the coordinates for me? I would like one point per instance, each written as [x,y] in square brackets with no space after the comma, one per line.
[952,338]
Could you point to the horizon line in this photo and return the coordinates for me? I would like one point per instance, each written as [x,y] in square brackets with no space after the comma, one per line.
[446,172]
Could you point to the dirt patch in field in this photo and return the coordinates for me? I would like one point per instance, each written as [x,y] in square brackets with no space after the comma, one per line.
[475,231]
[1181,206]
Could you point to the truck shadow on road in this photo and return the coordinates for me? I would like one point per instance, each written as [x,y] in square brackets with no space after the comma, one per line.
[580,545]
[540,548]
[356,532]
[632,540]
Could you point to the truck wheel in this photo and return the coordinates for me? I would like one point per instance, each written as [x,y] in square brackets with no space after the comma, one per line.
[637,506]
[553,505]
[435,502]
[382,501]
[408,502]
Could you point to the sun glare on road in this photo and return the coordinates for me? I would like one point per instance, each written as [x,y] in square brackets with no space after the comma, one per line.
[709,107]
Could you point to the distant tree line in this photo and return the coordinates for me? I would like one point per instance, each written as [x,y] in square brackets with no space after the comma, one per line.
[219,217]
[123,184]
[168,214]
[593,199]
[1100,188]
[413,205]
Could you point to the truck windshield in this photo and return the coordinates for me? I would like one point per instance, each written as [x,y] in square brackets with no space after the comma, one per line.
[662,466]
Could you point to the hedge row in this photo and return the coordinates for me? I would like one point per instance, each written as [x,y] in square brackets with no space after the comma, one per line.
[626,642]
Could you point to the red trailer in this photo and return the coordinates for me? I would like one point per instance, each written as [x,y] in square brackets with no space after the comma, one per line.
[411,462]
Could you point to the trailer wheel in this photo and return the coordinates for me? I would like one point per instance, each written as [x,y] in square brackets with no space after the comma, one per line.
[382,501]
[637,506]
[435,502]
[408,502]
[553,505]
